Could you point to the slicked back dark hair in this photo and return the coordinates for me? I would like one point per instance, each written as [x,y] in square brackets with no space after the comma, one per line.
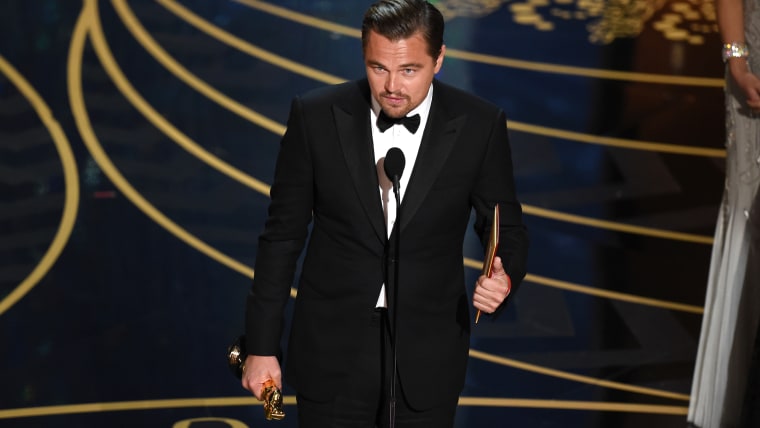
[401,19]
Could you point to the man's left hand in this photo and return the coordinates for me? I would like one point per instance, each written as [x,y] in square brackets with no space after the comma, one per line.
[491,292]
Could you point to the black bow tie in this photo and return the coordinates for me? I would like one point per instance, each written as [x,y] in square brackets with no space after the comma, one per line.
[384,122]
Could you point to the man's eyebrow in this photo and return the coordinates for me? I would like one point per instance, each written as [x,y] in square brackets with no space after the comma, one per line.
[374,63]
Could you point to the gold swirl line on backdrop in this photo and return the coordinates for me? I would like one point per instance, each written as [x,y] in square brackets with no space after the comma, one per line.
[573,405]
[168,61]
[142,36]
[616,142]
[91,24]
[503,361]
[71,185]
[234,41]
[598,292]
[244,46]
[178,70]
[116,406]
[89,21]
[617,226]
[182,403]
[496,60]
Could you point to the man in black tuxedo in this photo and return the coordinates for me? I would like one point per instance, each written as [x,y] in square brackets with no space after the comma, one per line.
[350,312]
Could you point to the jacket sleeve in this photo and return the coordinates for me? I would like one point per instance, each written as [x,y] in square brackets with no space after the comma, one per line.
[282,241]
[496,184]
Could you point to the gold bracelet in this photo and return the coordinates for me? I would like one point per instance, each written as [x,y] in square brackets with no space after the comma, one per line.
[735,50]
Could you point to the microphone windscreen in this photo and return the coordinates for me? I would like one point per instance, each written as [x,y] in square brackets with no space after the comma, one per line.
[394,163]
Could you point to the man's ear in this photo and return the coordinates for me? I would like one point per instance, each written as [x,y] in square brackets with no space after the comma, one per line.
[439,60]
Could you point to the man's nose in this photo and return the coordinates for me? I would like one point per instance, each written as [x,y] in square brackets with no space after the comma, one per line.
[391,83]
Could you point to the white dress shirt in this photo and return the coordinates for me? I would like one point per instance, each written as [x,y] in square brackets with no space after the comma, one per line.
[396,136]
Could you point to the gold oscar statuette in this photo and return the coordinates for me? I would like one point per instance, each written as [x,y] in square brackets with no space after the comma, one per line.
[272,401]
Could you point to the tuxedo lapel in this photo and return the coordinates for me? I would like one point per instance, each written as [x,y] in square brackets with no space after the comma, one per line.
[441,132]
[355,139]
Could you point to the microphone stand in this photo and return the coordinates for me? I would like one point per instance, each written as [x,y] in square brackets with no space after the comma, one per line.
[394,167]
[397,251]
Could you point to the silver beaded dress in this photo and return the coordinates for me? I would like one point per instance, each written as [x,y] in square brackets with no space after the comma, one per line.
[732,301]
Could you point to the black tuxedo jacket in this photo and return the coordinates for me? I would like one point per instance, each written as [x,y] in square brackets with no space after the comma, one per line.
[326,176]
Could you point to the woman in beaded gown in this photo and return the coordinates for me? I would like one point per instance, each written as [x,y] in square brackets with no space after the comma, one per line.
[732,303]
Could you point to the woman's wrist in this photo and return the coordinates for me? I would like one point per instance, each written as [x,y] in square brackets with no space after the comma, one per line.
[734,50]
[738,67]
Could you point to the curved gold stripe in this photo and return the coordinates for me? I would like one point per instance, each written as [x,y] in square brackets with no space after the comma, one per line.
[583,289]
[615,142]
[142,36]
[303,19]
[594,73]
[573,405]
[243,45]
[122,83]
[495,60]
[71,184]
[617,226]
[301,69]
[574,377]
[69,409]
[290,400]
[88,20]
[682,307]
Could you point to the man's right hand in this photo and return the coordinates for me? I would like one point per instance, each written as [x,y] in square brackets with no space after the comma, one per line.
[259,369]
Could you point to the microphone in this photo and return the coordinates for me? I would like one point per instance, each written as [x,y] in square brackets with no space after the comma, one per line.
[394,167]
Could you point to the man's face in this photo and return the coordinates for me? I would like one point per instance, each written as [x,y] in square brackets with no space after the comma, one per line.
[399,72]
